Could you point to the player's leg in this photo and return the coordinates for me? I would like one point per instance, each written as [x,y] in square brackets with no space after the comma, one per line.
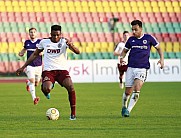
[140,77]
[126,95]
[47,82]
[30,72]
[64,80]
[67,83]
[121,69]
[121,85]
[38,73]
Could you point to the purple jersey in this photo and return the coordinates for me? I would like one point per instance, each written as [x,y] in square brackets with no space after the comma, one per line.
[140,50]
[31,47]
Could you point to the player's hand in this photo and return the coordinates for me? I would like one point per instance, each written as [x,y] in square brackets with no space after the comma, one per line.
[68,42]
[122,62]
[161,62]
[19,71]
[20,54]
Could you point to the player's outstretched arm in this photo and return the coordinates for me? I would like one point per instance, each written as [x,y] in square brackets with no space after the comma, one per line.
[72,47]
[161,61]
[22,52]
[33,56]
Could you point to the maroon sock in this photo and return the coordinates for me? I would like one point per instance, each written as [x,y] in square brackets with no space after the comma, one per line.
[72,100]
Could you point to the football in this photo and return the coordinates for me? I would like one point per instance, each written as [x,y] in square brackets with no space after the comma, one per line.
[52,114]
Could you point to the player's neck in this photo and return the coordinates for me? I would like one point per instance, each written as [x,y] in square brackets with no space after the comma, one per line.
[34,39]
[141,35]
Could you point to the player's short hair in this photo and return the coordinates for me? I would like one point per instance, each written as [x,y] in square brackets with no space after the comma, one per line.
[32,28]
[56,28]
[125,32]
[136,22]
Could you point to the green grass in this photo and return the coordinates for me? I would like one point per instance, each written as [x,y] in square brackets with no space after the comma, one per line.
[157,113]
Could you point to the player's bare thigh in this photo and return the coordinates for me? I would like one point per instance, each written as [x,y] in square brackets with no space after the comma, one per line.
[68,84]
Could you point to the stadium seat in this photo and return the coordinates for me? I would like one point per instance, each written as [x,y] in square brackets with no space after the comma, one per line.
[84,27]
[169,47]
[4,56]
[98,55]
[147,6]
[166,55]
[155,55]
[176,46]
[173,37]
[148,28]
[77,27]
[77,56]
[74,17]
[178,55]
[105,55]
[166,37]
[81,17]
[127,6]
[171,55]
[91,56]
[163,47]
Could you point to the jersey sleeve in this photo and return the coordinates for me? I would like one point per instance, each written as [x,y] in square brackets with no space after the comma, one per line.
[64,41]
[127,45]
[40,45]
[116,49]
[153,41]
[25,44]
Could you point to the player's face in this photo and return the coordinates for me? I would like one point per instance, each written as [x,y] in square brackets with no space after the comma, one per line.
[125,36]
[32,34]
[137,31]
[55,36]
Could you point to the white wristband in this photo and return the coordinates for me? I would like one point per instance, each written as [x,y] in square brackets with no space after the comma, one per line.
[121,57]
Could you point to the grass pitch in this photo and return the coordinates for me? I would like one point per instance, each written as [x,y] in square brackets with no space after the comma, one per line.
[156,115]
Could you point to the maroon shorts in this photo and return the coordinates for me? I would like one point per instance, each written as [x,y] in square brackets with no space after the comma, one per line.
[55,75]
[122,68]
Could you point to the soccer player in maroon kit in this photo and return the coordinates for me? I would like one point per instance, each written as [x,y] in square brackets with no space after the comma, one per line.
[55,65]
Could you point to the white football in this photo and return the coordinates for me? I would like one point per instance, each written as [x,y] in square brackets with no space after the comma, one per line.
[52,114]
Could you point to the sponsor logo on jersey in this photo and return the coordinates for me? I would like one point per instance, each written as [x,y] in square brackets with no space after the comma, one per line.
[53,51]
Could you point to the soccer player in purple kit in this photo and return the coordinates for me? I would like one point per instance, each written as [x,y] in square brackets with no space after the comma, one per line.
[55,66]
[139,46]
[34,69]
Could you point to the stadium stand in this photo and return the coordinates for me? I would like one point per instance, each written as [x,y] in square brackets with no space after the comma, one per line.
[87,23]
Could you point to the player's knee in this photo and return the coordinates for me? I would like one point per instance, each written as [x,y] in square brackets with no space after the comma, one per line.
[70,88]
[45,89]
[36,83]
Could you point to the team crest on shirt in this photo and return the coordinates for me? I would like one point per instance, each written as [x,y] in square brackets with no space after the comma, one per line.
[144,41]
[46,78]
[59,45]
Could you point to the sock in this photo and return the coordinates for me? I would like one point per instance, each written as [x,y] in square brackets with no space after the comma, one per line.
[28,82]
[72,100]
[32,90]
[125,100]
[133,100]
